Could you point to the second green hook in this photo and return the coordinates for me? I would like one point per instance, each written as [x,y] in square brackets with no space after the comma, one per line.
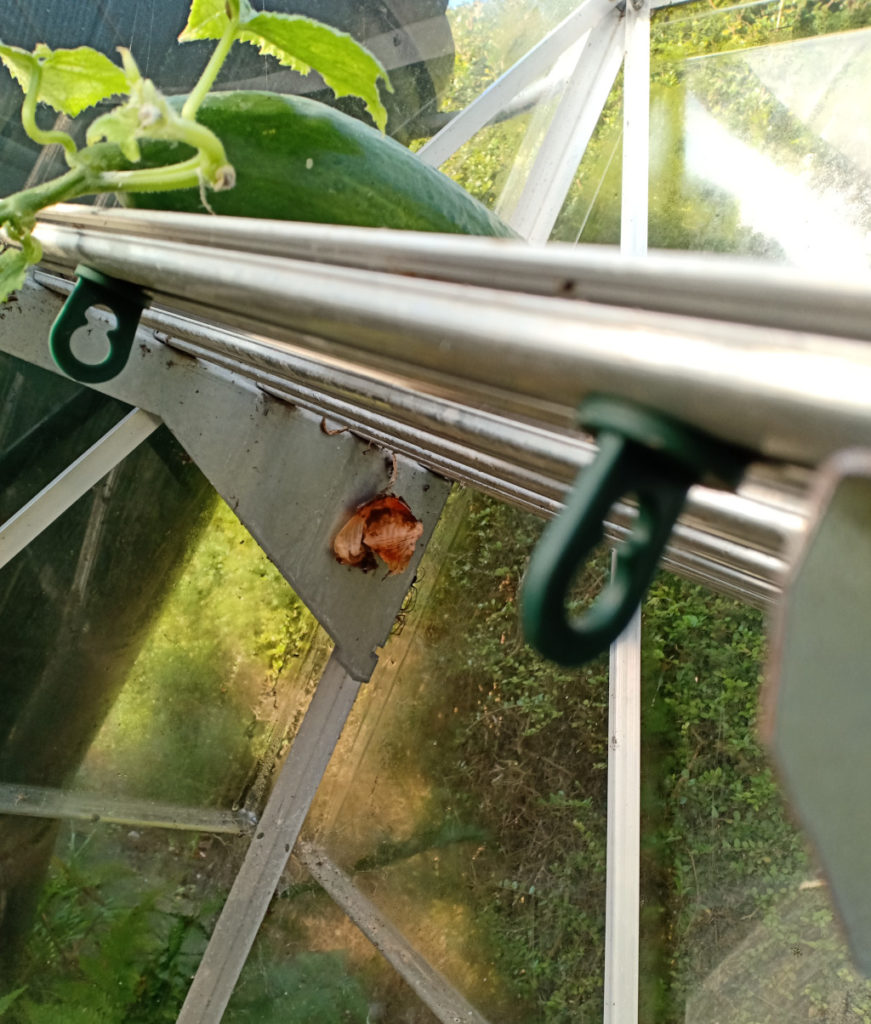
[643,454]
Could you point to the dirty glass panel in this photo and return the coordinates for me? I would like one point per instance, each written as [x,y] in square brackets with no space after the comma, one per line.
[155,664]
[311,965]
[466,800]
[759,140]
[219,685]
[119,924]
[591,210]
[736,922]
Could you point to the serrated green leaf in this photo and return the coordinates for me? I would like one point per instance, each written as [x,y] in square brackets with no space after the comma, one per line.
[72,80]
[208,19]
[304,45]
[7,1000]
[13,267]
[300,43]
[19,63]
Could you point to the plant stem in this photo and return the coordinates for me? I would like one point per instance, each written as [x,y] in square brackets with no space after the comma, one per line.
[28,118]
[20,208]
[211,154]
[185,174]
[210,71]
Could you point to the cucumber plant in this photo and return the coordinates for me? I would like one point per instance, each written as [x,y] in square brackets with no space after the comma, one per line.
[72,80]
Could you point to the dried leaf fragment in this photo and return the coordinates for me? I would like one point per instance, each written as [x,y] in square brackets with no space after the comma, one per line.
[385,527]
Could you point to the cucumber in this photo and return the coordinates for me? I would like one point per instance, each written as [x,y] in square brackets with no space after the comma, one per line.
[296,159]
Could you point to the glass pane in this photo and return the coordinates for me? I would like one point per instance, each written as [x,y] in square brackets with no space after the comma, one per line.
[736,923]
[218,685]
[759,140]
[311,965]
[467,797]
[120,925]
[591,211]
[156,666]
[489,39]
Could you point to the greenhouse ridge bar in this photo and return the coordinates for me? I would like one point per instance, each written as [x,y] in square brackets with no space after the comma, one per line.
[731,542]
[789,396]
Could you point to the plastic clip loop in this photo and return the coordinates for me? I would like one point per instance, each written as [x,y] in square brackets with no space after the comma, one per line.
[126,302]
[642,454]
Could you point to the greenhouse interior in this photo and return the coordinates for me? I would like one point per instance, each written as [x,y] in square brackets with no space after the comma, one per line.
[465,398]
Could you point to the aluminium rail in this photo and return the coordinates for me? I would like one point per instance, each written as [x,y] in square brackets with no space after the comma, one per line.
[471,354]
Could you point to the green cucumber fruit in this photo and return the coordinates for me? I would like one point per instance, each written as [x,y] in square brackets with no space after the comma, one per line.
[296,159]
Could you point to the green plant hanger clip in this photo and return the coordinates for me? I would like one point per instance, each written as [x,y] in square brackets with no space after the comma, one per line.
[641,453]
[126,302]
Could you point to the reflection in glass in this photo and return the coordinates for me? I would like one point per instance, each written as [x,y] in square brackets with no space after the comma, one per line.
[120,925]
[467,797]
[489,39]
[156,664]
[311,965]
[736,924]
[759,141]
[759,147]
[224,674]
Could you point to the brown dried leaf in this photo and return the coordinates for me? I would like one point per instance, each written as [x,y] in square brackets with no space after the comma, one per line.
[385,527]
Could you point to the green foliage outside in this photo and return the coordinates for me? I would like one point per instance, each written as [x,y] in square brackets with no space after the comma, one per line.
[310,988]
[724,873]
[187,724]
[684,213]
[720,858]
[527,761]
[123,922]
[109,946]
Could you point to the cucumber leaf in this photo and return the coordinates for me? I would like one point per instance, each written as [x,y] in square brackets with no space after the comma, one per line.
[13,266]
[208,19]
[71,80]
[7,1000]
[303,44]
[299,43]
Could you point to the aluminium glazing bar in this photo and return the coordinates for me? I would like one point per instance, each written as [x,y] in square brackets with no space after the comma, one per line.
[533,65]
[709,285]
[75,481]
[636,130]
[444,1001]
[274,838]
[624,827]
[622,896]
[576,116]
[789,396]
[71,805]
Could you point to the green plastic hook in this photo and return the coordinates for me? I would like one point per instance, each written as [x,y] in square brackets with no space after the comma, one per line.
[641,453]
[125,300]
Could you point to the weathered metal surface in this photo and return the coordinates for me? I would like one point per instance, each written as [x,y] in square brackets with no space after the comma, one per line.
[730,542]
[290,482]
[73,805]
[789,395]
[818,693]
